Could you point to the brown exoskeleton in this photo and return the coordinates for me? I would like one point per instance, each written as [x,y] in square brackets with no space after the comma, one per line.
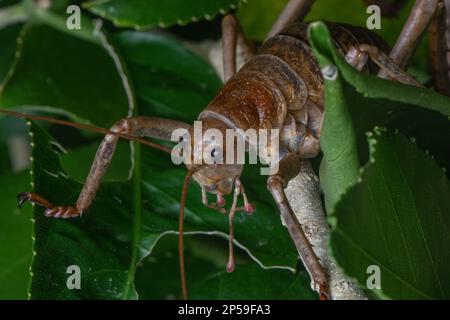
[279,87]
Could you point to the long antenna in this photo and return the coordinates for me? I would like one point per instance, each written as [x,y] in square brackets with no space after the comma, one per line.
[85,127]
[180,234]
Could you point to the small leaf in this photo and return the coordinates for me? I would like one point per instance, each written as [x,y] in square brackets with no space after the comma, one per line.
[145,14]
[397,218]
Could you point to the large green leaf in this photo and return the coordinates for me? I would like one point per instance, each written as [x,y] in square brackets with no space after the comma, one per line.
[258,16]
[114,236]
[157,275]
[8,38]
[77,162]
[254,283]
[15,239]
[170,81]
[75,77]
[398,218]
[208,280]
[369,85]
[115,226]
[144,14]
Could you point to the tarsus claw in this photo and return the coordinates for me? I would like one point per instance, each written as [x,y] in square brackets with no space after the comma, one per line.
[22,198]
[324,292]
[50,210]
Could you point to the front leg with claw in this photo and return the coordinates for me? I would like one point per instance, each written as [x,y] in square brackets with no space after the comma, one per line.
[136,127]
[51,211]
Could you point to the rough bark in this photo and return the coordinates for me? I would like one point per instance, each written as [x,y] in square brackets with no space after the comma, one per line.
[303,193]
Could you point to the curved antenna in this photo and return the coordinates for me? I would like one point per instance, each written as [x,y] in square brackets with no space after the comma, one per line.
[85,127]
[230,264]
[180,234]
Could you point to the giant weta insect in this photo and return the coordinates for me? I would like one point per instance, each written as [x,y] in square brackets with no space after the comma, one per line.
[280,87]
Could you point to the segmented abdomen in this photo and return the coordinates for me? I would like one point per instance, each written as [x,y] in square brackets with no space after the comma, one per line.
[282,85]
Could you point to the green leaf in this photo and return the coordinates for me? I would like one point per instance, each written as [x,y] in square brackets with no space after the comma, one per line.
[157,276]
[104,260]
[15,237]
[111,238]
[356,102]
[160,193]
[258,16]
[77,162]
[354,12]
[254,283]
[370,85]
[398,218]
[340,163]
[76,77]
[170,81]
[145,14]
[431,131]
[128,218]
[8,38]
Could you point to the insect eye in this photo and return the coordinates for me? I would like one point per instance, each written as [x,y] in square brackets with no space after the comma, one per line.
[216,152]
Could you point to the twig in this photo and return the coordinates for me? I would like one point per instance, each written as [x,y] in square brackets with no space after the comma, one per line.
[294,10]
[304,196]
[418,22]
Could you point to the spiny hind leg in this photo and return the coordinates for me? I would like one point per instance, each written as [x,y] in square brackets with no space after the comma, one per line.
[412,33]
[295,10]
[138,127]
[392,66]
[358,56]
[232,36]
[289,167]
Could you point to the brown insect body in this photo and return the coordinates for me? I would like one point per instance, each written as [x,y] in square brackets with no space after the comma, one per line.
[281,87]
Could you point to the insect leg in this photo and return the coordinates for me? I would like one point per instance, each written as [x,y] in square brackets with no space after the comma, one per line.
[295,10]
[440,48]
[357,57]
[215,206]
[232,36]
[288,169]
[418,22]
[138,126]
